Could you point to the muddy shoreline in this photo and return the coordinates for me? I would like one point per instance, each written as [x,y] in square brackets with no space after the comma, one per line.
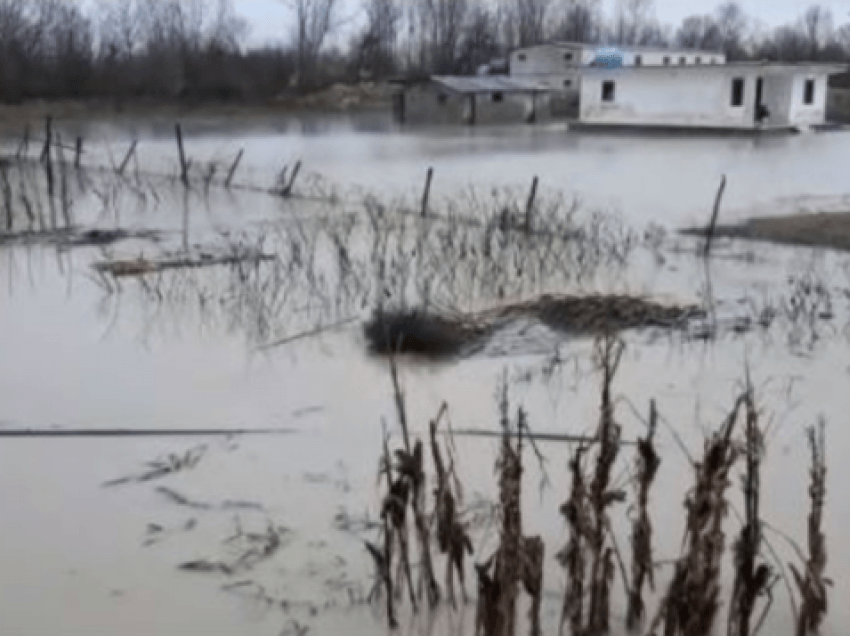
[823,229]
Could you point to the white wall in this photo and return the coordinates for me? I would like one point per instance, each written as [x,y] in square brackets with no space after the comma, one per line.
[545,60]
[672,96]
[802,114]
[681,96]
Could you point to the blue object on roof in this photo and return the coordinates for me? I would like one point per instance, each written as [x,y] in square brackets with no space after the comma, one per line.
[608,58]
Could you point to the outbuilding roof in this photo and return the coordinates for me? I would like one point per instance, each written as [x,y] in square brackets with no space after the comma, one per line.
[489,84]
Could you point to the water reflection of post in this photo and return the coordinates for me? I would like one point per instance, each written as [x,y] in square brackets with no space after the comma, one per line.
[48,169]
[186,219]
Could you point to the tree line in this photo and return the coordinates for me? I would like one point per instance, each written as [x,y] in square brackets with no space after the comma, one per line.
[195,49]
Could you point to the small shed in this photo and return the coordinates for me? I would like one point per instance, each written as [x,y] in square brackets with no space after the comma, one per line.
[490,99]
[754,96]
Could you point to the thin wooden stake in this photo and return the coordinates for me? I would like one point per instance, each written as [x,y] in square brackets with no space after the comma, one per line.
[287,191]
[48,139]
[127,158]
[233,168]
[25,143]
[709,237]
[529,208]
[78,151]
[427,194]
[184,167]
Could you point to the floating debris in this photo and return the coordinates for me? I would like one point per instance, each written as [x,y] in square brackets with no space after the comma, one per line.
[163,467]
[142,265]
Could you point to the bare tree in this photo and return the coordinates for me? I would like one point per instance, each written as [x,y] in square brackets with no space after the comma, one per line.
[818,25]
[480,39]
[733,24]
[314,21]
[119,29]
[531,21]
[699,32]
[375,48]
[580,21]
[633,20]
[445,20]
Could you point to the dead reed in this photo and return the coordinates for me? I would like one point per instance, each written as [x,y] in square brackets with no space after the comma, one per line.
[648,462]
[693,598]
[518,560]
[812,583]
[589,555]
[753,576]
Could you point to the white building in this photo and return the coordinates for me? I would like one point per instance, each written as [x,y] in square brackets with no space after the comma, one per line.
[754,96]
[567,58]
[588,85]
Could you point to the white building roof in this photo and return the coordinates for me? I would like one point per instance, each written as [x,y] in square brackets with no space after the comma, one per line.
[812,68]
[627,48]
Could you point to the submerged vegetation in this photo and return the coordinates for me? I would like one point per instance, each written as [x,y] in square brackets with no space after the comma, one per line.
[442,284]
[696,588]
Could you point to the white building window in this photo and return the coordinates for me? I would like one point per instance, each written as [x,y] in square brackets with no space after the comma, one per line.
[568,83]
[682,61]
[698,60]
[568,57]
[638,60]
[667,60]
[608,91]
[809,92]
[498,97]
[738,92]
[521,57]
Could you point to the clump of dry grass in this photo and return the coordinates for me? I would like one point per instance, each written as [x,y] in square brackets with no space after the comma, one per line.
[752,574]
[692,601]
[443,334]
[648,462]
[518,559]
[586,513]
[813,583]
[452,535]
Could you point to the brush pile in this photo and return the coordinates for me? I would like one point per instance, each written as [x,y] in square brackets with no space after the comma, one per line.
[436,335]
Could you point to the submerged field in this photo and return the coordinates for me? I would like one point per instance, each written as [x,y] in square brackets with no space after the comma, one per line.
[156,314]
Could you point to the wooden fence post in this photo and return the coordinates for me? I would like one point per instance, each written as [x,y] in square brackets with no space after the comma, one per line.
[184,167]
[529,207]
[427,193]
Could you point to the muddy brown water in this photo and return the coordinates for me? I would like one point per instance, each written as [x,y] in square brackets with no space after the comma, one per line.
[78,558]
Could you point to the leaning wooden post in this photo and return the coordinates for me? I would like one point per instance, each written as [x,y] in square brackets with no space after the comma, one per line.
[128,156]
[233,167]
[78,153]
[25,143]
[287,190]
[427,193]
[529,207]
[184,167]
[48,139]
[709,235]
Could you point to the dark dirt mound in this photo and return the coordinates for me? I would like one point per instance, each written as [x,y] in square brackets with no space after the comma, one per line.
[421,332]
[434,335]
[600,314]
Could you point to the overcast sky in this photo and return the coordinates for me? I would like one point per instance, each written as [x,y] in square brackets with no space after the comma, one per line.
[270,19]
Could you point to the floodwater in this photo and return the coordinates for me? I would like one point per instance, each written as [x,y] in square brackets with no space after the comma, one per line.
[180,350]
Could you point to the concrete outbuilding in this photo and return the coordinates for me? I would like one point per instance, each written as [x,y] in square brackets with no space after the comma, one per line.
[752,96]
[491,99]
